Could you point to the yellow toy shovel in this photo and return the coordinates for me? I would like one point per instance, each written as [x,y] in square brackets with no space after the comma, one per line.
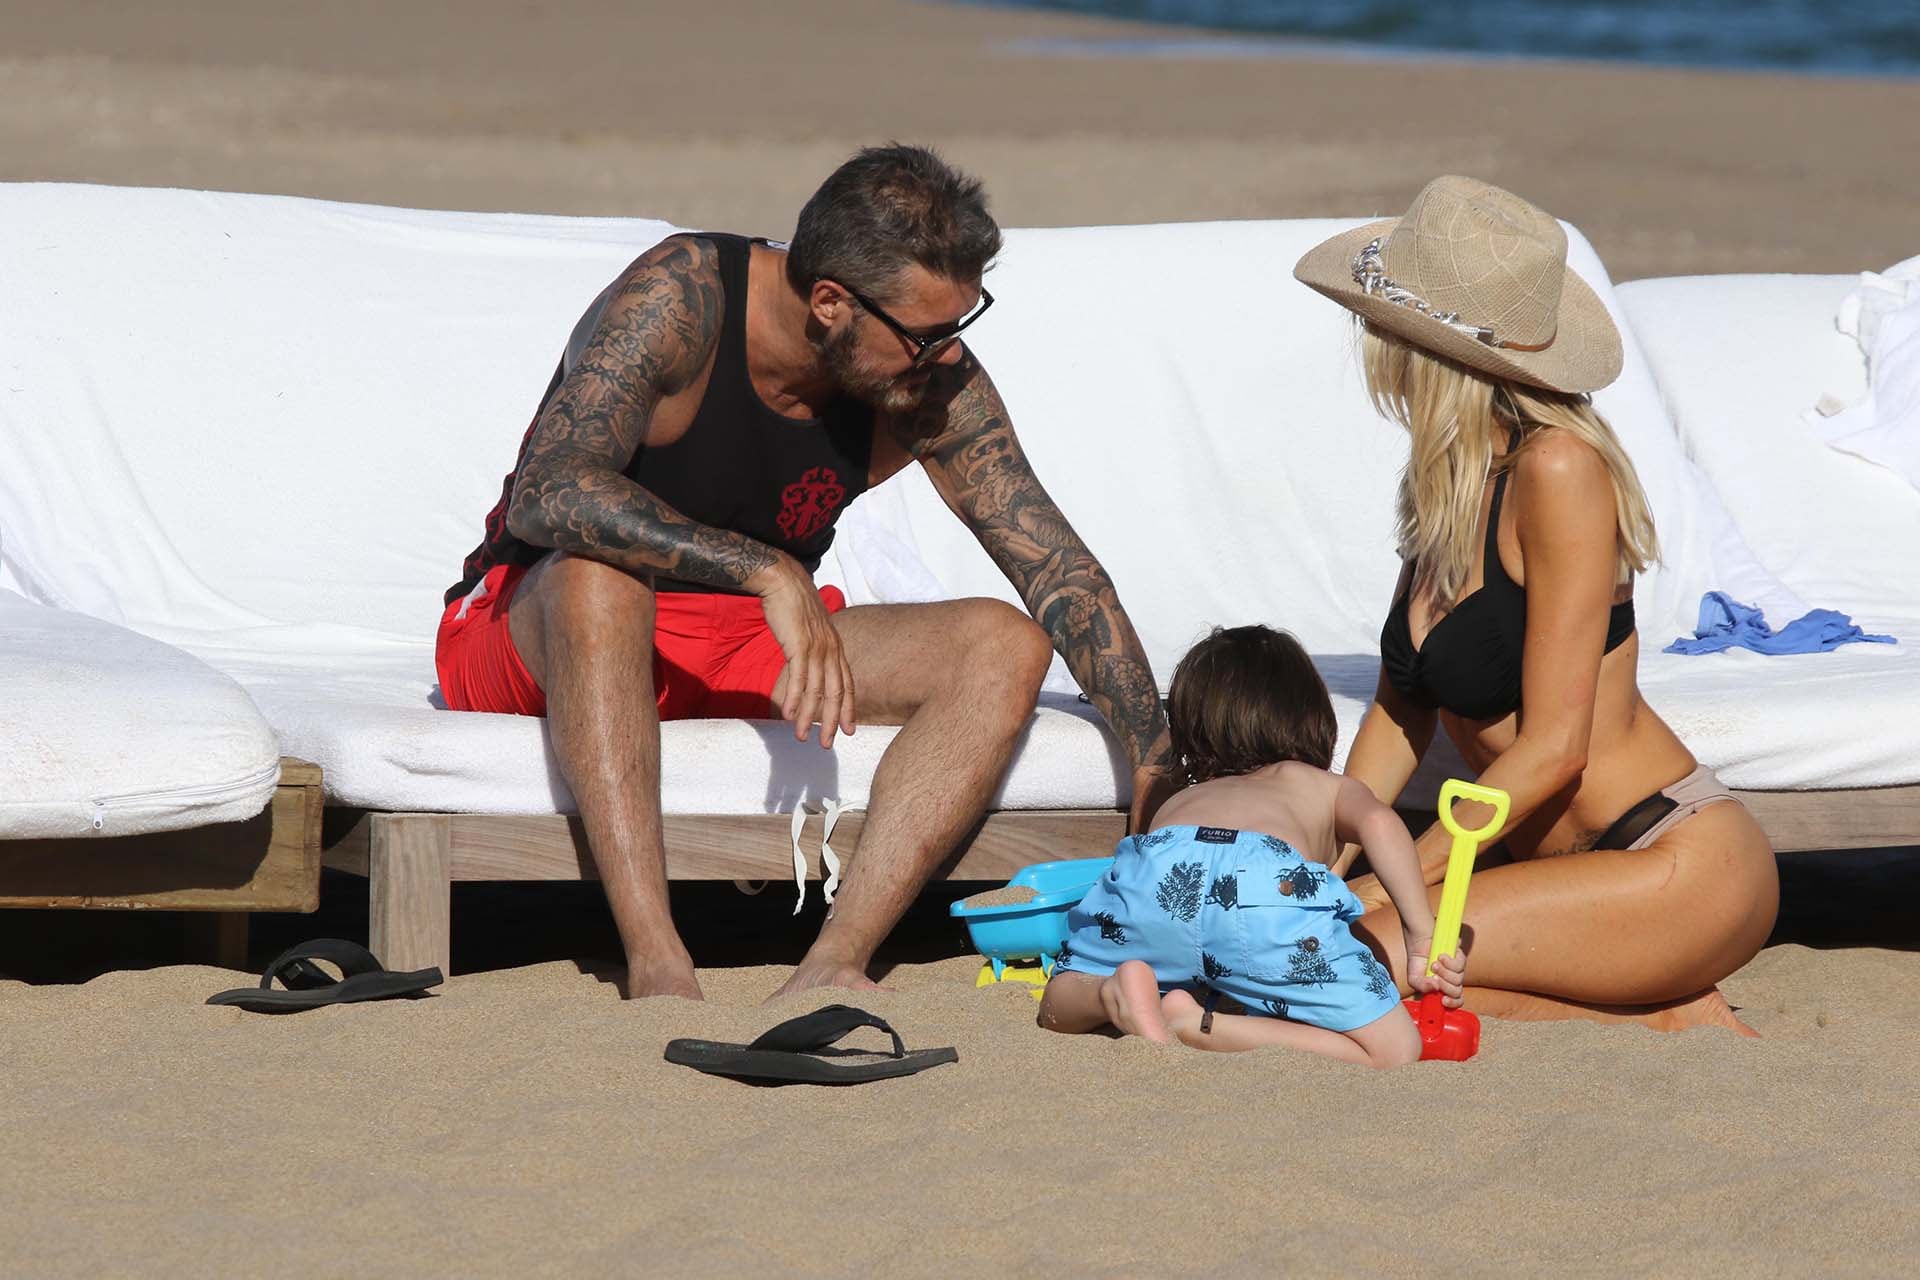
[1453,1035]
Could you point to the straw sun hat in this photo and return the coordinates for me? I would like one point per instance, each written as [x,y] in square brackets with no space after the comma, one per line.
[1479,276]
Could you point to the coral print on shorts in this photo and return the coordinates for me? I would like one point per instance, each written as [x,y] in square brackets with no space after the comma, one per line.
[1179,890]
[1154,839]
[1213,968]
[1306,965]
[1302,882]
[808,504]
[1225,892]
[1110,930]
[1379,981]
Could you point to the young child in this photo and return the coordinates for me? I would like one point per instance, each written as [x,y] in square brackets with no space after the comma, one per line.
[1229,893]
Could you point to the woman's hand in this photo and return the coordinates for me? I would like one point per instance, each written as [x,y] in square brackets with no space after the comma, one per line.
[1372,894]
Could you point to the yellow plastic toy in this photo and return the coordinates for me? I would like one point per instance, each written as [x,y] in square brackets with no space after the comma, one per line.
[1453,1035]
[1032,974]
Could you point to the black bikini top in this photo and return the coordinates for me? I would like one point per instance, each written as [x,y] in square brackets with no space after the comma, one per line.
[1470,664]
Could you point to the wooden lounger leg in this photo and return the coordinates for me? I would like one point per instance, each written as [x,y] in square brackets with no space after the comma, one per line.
[218,938]
[409,881]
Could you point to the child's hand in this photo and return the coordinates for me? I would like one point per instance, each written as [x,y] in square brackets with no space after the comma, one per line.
[1449,976]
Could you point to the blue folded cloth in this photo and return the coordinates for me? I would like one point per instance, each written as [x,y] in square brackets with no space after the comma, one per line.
[1725,623]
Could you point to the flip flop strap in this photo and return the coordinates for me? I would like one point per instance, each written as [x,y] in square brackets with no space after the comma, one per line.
[297,971]
[822,1027]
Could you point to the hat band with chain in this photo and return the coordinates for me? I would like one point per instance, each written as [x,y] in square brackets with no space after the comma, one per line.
[1369,272]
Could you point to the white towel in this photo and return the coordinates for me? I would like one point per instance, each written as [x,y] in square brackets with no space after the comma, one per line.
[1882,314]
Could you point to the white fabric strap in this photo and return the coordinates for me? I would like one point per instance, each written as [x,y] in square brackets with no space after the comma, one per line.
[831,810]
[828,858]
[799,859]
[472,597]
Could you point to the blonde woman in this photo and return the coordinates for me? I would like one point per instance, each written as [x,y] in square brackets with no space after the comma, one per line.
[1636,882]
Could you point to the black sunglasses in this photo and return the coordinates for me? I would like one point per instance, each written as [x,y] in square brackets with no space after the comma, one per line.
[925,348]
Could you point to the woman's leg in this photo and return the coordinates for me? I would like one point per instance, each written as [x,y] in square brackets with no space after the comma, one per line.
[1707,1008]
[1641,933]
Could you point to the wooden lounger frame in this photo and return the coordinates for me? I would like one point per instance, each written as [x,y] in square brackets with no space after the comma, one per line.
[411,860]
[270,862]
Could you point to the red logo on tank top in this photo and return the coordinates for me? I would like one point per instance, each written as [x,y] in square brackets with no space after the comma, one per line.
[808,503]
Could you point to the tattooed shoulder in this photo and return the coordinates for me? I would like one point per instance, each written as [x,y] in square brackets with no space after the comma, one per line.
[661,323]
[960,404]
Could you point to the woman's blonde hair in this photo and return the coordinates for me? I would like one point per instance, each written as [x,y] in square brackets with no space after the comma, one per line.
[1454,415]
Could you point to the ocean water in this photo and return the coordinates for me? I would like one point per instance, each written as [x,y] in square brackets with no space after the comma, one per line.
[1845,37]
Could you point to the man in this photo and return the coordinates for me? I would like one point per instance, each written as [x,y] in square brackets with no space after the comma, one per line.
[652,553]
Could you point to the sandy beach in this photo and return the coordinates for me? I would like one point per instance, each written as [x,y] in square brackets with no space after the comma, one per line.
[522,1122]
[726,115]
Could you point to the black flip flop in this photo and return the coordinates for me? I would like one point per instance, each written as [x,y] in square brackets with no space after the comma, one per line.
[308,986]
[797,1052]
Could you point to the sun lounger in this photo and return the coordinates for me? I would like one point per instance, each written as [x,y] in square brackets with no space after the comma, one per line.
[273,451]
[132,774]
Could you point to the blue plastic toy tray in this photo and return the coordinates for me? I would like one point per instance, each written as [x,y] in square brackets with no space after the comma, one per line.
[1031,930]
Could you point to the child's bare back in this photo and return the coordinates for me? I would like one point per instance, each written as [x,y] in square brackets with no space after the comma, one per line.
[1290,800]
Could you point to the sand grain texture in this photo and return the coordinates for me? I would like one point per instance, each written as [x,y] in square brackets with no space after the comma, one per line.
[1005,896]
[525,1123]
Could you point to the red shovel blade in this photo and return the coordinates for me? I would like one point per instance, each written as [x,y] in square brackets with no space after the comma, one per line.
[1446,1035]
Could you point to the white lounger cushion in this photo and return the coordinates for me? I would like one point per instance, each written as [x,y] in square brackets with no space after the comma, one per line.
[276,451]
[1739,360]
[109,733]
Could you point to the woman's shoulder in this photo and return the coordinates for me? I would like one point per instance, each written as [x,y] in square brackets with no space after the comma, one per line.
[1559,473]
[1554,456]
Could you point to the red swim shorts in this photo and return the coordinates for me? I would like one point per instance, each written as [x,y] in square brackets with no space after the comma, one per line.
[713,656]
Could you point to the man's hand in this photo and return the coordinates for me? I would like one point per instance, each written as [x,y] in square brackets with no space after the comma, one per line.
[1152,786]
[819,684]
[1449,976]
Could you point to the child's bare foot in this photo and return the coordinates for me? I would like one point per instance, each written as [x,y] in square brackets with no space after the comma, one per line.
[1131,997]
[1182,1013]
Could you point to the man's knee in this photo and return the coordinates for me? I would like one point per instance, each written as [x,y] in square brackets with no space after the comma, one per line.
[567,600]
[1007,649]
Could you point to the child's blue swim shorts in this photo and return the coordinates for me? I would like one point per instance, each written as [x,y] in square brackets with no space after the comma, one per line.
[1238,912]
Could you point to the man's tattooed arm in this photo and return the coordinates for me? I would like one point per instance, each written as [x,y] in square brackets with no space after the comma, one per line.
[963,437]
[653,338]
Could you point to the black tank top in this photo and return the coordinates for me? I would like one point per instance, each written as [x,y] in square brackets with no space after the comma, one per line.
[740,466]
[1470,664]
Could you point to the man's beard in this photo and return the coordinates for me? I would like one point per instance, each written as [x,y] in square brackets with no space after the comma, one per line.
[862,382]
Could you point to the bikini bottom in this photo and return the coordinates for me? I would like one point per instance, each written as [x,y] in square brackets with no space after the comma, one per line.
[1665,809]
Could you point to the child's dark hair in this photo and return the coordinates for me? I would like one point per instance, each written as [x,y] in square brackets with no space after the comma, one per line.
[1244,698]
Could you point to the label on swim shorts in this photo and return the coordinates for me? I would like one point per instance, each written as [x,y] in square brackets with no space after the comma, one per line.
[1216,835]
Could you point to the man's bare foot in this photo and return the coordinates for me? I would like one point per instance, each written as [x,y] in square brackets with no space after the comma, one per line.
[1708,1009]
[813,973]
[1131,998]
[670,976]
